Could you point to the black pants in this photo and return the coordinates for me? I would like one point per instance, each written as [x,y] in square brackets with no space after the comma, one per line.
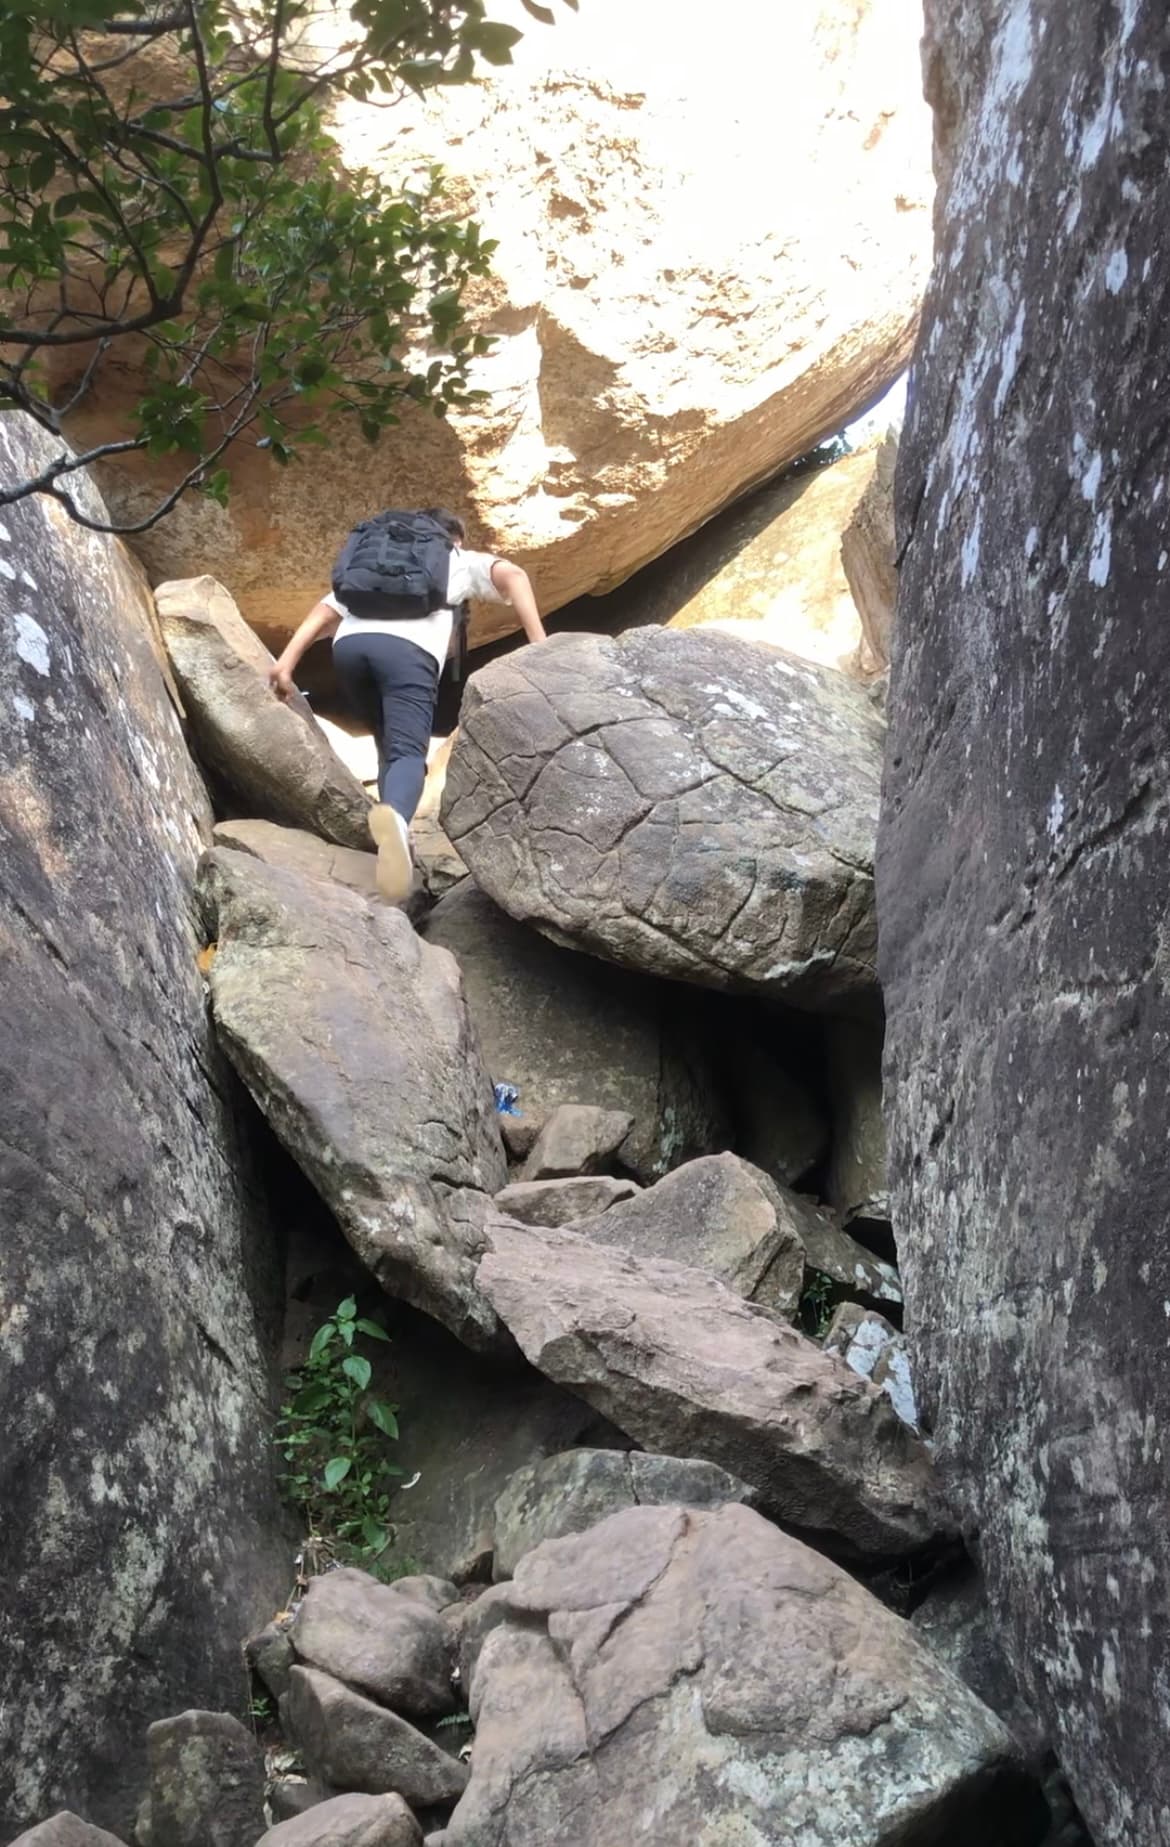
[392,685]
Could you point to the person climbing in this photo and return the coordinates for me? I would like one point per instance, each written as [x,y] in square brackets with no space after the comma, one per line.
[398,603]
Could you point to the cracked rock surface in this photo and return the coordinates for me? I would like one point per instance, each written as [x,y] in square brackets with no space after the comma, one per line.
[685,803]
[354,1038]
[700,1677]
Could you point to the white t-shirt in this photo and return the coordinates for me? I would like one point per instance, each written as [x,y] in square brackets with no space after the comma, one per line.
[470,581]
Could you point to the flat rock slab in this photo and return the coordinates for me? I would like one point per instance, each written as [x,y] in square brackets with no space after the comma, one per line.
[303,852]
[206,1782]
[685,803]
[269,753]
[349,1821]
[391,1646]
[559,1202]
[700,1677]
[687,1368]
[354,1744]
[577,1138]
[573,1491]
[567,1028]
[354,1038]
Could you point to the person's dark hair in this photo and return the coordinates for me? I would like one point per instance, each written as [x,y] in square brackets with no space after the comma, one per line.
[450,522]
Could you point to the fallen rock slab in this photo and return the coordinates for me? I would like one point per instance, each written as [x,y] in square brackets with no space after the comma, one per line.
[267,752]
[687,1368]
[567,1028]
[572,1492]
[559,1202]
[353,1036]
[685,803]
[388,1645]
[349,1821]
[353,1744]
[701,1677]
[577,1138]
[206,1782]
[299,851]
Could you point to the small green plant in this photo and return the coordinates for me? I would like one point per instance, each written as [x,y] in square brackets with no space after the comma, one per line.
[816,1305]
[333,1433]
[262,1711]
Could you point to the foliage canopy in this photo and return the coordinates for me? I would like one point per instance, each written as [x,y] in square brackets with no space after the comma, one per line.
[171,201]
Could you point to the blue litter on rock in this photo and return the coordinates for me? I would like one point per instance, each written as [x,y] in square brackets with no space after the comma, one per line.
[507,1097]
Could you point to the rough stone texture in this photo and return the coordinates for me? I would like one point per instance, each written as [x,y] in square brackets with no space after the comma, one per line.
[873,1347]
[1025,873]
[700,1677]
[576,1139]
[267,752]
[66,1830]
[354,1744]
[138,1517]
[720,1215]
[349,1821]
[767,569]
[681,802]
[668,333]
[206,1782]
[391,1646]
[723,1215]
[354,1038]
[685,1367]
[856,1182]
[559,1202]
[270,1654]
[571,1492]
[302,852]
[957,1624]
[868,552]
[565,1028]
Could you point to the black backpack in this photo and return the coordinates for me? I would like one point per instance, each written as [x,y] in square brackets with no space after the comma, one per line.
[396,565]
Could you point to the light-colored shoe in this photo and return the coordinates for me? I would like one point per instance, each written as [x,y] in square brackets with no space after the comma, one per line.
[395,871]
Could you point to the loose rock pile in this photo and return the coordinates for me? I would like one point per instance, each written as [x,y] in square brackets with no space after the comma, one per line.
[669,1649]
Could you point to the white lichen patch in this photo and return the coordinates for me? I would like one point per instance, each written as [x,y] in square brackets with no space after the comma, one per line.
[32,643]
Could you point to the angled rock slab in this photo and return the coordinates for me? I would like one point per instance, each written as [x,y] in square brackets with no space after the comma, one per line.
[577,1139]
[722,1215]
[206,1782]
[354,1038]
[354,1744]
[685,803]
[687,1368]
[573,1491]
[299,851]
[391,1646]
[559,1202]
[349,1821]
[701,1677]
[66,1830]
[568,1028]
[268,752]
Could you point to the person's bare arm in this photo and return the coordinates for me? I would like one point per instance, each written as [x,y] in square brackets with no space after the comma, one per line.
[512,582]
[321,620]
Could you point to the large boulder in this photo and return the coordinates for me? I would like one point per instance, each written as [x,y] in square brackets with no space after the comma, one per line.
[387,1644]
[140,1527]
[668,331]
[767,569]
[354,1038]
[685,1367]
[684,803]
[206,1783]
[566,1028]
[349,1821]
[351,1743]
[65,1829]
[1025,865]
[301,852]
[705,1670]
[723,1215]
[267,754]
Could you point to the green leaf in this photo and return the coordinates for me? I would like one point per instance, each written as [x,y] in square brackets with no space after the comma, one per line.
[373,1330]
[336,1471]
[382,1416]
[357,1368]
[347,1310]
[321,1340]
[375,1534]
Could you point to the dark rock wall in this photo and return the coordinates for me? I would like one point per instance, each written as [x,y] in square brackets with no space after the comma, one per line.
[1024,865]
[139,1292]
